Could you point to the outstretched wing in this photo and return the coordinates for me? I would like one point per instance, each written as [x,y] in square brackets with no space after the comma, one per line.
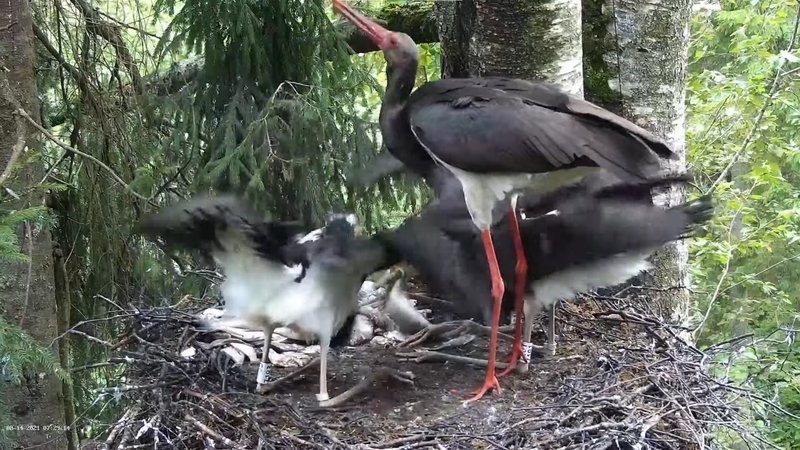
[222,226]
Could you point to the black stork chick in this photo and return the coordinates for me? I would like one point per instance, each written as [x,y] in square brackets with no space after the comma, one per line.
[497,135]
[276,273]
[597,233]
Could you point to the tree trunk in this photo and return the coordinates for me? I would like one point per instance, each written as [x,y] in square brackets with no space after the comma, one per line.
[533,39]
[635,62]
[27,289]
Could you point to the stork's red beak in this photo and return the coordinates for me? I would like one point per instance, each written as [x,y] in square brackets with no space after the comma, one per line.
[378,34]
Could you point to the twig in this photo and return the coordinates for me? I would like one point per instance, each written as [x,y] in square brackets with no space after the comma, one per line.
[89,337]
[421,356]
[103,165]
[269,387]
[400,441]
[723,275]
[205,429]
[757,122]
[381,374]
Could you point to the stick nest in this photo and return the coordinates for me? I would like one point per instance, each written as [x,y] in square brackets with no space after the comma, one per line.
[621,378]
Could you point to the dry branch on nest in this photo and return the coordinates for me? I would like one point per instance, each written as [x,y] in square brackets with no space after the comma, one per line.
[622,379]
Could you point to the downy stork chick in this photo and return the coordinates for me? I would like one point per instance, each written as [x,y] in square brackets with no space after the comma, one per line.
[274,274]
[497,135]
[585,237]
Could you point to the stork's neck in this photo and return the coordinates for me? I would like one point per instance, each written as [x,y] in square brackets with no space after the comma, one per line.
[395,127]
[400,81]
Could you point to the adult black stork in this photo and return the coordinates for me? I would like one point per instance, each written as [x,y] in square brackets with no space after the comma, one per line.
[496,135]
[596,233]
[276,274]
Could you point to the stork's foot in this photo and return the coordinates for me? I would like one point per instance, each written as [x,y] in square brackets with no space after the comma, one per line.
[381,375]
[452,331]
[322,396]
[491,383]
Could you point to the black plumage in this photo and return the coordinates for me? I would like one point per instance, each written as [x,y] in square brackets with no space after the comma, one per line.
[594,234]
[504,125]
[497,135]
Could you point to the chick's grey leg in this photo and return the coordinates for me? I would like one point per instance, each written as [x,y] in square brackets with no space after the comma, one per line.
[323,368]
[530,311]
[264,368]
[551,335]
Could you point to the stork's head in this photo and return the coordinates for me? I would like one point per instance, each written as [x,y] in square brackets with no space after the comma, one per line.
[398,48]
[341,224]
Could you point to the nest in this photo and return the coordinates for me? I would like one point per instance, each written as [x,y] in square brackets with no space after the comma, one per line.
[621,378]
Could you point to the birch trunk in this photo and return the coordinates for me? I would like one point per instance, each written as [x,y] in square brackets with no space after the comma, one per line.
[27,290]
[537,40]
[635,61]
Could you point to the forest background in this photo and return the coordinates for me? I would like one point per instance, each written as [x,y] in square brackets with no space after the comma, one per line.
[110,109]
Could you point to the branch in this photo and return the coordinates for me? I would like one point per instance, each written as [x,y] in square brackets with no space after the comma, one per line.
[66,147]
[112,34]
[779,74]
[415,19]
[80,77]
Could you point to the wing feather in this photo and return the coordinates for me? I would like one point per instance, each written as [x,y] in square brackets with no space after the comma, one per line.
[537,129]
[214,224]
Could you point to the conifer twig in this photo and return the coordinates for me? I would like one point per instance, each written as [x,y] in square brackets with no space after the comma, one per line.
[68,148]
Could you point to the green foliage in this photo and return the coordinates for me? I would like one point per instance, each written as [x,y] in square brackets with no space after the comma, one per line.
[10,220]
[21,359]
[278,99]
[747,265]
[276,110]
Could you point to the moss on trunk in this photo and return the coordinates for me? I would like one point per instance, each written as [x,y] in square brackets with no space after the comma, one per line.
[636,63]
[531,39]
[598,43]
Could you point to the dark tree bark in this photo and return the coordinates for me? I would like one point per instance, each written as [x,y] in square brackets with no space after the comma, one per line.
[635,64]
[536,39]
[27,289]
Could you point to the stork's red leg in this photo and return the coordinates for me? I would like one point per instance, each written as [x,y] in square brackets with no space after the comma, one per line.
[498,289]
[521,272]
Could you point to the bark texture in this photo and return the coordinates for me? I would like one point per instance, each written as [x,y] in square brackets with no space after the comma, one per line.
[636,64]
[27,289]
[537,40]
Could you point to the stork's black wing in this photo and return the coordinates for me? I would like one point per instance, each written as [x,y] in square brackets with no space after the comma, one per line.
[587,229]
[200,223]
[552,96]
[601,185]
[453,265]
[481,127]
[339,248]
